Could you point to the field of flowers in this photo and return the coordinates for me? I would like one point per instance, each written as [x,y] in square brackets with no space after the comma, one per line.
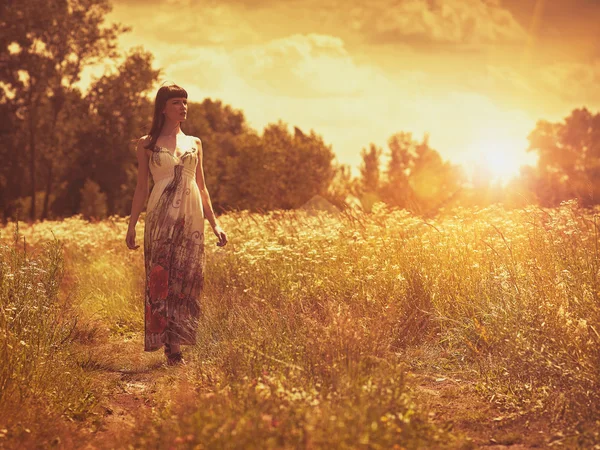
[311,324]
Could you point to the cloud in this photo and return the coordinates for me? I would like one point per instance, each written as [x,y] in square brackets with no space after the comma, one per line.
[464,23]
[542,89]
[181,22]
[297,66]
[469,23]
[575,83]
[311,65]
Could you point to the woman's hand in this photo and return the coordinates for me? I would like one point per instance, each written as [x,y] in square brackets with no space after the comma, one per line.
[221,235]
[130,239]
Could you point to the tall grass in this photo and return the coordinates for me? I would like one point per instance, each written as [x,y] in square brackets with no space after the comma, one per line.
[330,304]
[38,375]
[310,321]
[103,279]
[513,294]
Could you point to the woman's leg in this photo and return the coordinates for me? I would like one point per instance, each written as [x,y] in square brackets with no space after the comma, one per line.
[173,349]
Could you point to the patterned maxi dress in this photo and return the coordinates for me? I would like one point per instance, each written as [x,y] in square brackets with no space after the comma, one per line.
[173,249]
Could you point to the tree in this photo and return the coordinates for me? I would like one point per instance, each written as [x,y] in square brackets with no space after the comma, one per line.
[47,44]
[294,167]
[569,159]
[277,170]
[434,181]
[223,131]
[244,170]
[93,201]
[243,184]
[367,189]
[396,190]
[117,114]
[370,169]
[342,186]
[13,159]
[417,178]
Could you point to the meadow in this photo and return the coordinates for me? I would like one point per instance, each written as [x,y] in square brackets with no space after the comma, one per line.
[380,330]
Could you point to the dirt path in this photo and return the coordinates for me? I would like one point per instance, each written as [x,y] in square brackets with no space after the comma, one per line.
[453,403]
[129,379]
[120,412]
[132,378]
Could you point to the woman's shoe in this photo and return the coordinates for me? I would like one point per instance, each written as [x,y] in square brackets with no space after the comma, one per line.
[175,359]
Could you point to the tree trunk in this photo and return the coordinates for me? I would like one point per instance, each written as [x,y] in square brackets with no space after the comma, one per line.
[57,105]
[48,192]
[32,123]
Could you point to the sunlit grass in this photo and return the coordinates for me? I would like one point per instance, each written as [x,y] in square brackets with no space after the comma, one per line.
[310,321]
[40,380]
[513,292]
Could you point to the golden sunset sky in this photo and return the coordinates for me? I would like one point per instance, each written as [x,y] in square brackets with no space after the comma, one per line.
[475,74]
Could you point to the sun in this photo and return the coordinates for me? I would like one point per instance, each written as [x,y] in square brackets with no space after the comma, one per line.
[498,159]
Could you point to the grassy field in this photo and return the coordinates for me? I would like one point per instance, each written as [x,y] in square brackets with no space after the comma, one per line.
[477,328]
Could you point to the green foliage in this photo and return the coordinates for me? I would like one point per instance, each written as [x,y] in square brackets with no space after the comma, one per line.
[277,170]
[36,326]
[417,177]
[93,201]
[54,41]
[370,169]
[569,159]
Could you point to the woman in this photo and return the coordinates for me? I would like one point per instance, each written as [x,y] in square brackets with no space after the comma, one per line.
[174,226]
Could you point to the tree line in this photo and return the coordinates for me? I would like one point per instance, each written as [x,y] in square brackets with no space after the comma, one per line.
[65,151]
[416,178]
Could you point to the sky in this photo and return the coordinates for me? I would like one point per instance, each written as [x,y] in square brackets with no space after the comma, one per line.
[476,75]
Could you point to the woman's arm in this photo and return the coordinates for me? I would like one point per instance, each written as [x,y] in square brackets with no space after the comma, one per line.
[141,191]
[206,203]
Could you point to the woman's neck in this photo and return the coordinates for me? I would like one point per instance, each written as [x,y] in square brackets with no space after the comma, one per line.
[171,129]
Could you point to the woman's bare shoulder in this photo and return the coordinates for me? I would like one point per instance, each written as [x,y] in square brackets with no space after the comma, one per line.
[144,140]
[142,146]
[196,140]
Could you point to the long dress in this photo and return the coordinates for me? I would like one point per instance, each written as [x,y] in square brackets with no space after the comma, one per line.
[173,249]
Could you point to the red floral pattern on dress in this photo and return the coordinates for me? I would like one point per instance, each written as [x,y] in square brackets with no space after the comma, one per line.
[155,322]
[159,283]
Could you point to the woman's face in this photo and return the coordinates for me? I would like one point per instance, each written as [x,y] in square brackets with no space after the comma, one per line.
[176,109]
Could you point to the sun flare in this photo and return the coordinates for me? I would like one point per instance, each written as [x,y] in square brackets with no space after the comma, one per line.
[500,159]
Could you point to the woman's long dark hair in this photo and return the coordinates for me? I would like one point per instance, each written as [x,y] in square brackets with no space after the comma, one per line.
[163,94]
